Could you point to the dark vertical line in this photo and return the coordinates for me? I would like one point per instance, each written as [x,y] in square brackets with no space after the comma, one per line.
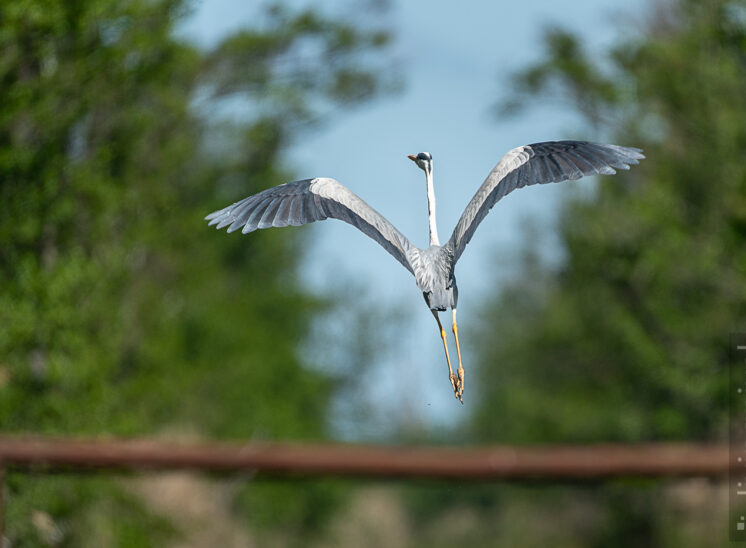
[2,504]
[737,437]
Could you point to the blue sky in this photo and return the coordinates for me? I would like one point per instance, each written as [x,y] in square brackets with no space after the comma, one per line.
[456,61]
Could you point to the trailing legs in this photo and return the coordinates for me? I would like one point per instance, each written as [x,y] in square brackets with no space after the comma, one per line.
[455,382]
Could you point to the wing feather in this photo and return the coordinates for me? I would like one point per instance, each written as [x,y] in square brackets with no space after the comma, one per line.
[269,214]
[255,211]
[310,200]
[539,163]
[554,167]
[585,165]
[544,173]
[283,212]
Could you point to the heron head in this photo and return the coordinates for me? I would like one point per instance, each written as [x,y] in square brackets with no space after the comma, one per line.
[424,161]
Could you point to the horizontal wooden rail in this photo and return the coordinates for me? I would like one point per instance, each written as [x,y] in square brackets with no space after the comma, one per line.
[560,462]
[557,462]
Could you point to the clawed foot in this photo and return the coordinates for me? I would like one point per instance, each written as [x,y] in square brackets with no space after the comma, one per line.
[454,383]
[457,382]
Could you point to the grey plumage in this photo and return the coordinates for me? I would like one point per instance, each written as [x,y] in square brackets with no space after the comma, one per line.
[539,163]
[310,200]
[307,201]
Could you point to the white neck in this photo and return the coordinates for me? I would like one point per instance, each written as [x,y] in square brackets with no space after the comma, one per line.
[431,209]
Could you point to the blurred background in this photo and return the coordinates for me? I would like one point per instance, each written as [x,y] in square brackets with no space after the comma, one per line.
[591,311]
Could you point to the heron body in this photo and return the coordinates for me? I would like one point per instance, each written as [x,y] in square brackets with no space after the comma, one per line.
[310,200]
[434,273]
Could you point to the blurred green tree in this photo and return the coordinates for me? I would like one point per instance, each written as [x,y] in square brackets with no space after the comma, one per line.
[121,312]
[630,331]
[627,338]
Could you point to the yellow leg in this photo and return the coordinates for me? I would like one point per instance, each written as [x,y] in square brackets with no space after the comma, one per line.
[453,378]
[460,369]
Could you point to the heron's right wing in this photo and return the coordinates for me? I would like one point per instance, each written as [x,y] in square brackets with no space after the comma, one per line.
[310,200]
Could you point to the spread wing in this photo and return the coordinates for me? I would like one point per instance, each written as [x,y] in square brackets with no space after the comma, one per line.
[540,163]
[310,200]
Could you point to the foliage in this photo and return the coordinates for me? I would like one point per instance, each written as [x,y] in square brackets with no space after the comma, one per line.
[121,312]
[627,339]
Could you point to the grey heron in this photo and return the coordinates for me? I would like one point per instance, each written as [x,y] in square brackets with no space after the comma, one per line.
[319,198]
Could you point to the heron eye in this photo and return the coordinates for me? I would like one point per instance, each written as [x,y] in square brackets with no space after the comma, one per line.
[422,156]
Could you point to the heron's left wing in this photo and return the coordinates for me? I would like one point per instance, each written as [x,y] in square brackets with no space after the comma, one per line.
[549,162]
[310,200]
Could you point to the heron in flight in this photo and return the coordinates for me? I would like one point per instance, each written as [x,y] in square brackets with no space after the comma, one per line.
[309,200]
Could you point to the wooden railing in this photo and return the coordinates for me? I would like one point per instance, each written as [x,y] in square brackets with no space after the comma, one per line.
[554,462]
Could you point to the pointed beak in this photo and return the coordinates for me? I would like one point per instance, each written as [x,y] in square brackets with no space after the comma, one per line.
[412,157]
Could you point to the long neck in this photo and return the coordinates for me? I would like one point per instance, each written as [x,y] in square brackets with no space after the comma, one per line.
[431,208]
